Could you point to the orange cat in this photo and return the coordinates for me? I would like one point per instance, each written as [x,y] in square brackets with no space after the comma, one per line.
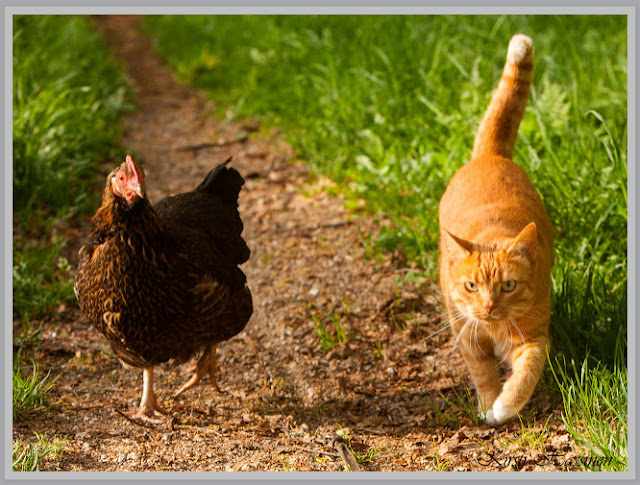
[496,252]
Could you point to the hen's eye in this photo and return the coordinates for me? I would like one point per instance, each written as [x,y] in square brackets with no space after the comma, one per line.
[121,177]
[470,286]
[508,286]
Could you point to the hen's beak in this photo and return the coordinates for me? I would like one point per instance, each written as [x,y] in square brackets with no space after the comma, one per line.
[137,190]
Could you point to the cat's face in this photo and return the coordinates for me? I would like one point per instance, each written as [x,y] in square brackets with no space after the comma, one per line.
[493,284]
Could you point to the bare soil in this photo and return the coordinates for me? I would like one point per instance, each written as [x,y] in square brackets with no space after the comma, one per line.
[285,398]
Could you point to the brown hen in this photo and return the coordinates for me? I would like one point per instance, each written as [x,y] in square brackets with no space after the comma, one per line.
[164,284]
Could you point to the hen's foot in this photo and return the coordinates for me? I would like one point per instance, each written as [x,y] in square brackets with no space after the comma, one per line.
[147,415]
[149,410]
[206,365]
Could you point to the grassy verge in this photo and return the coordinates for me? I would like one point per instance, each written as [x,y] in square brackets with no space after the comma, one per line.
[388,107]
[28,457]
[29,390]
[595,409]
[67,99]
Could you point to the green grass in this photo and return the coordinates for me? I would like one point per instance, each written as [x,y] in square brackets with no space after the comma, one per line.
[42,278]
[329,338]
[595,408]
[529,437]
[29,389]
[388,107]
[439,464]
[463,404]
[28,457]
[67,99]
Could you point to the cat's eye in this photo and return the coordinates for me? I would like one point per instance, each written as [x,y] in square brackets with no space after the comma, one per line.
[508,286]
[470,286]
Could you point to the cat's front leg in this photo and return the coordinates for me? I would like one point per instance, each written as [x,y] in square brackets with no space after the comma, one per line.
[484,373]
[527,361]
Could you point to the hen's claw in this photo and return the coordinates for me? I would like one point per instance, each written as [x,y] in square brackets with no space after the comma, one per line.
[149,415]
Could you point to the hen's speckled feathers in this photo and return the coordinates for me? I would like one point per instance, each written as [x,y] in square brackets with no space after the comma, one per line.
[164,284]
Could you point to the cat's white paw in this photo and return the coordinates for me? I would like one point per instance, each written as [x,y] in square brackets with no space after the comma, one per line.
[499,414]
[519,46]
[487,417]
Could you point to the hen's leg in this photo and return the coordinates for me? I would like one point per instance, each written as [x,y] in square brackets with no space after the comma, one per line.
[206,364]
[149,409]
[213,366]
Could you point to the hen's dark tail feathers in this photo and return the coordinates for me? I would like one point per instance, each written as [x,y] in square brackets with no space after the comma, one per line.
[223,181]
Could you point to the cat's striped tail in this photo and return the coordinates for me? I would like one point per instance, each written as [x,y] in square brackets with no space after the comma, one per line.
[499,126]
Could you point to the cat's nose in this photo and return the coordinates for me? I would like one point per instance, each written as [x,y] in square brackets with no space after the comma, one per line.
[489,306]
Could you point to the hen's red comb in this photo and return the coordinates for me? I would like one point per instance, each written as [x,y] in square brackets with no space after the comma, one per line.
[137,174]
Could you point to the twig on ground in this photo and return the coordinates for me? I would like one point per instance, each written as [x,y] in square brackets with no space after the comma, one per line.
[350,462]
[97,388]
[285,449]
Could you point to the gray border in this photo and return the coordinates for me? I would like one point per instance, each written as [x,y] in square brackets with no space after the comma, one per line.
[329,7]
[631,235]
[322,10]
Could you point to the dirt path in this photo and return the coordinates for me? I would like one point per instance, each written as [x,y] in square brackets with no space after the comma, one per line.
[285,397]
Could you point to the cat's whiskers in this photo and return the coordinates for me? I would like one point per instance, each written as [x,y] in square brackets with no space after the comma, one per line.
[439,291]
[513,322]
[457,316]
[475,329]
[445,314]
[469,321]
[437,332]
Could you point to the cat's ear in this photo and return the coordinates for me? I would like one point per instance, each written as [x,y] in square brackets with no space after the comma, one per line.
[525,243]
[455,244]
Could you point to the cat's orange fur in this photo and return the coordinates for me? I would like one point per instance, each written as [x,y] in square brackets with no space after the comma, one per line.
[496,252]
